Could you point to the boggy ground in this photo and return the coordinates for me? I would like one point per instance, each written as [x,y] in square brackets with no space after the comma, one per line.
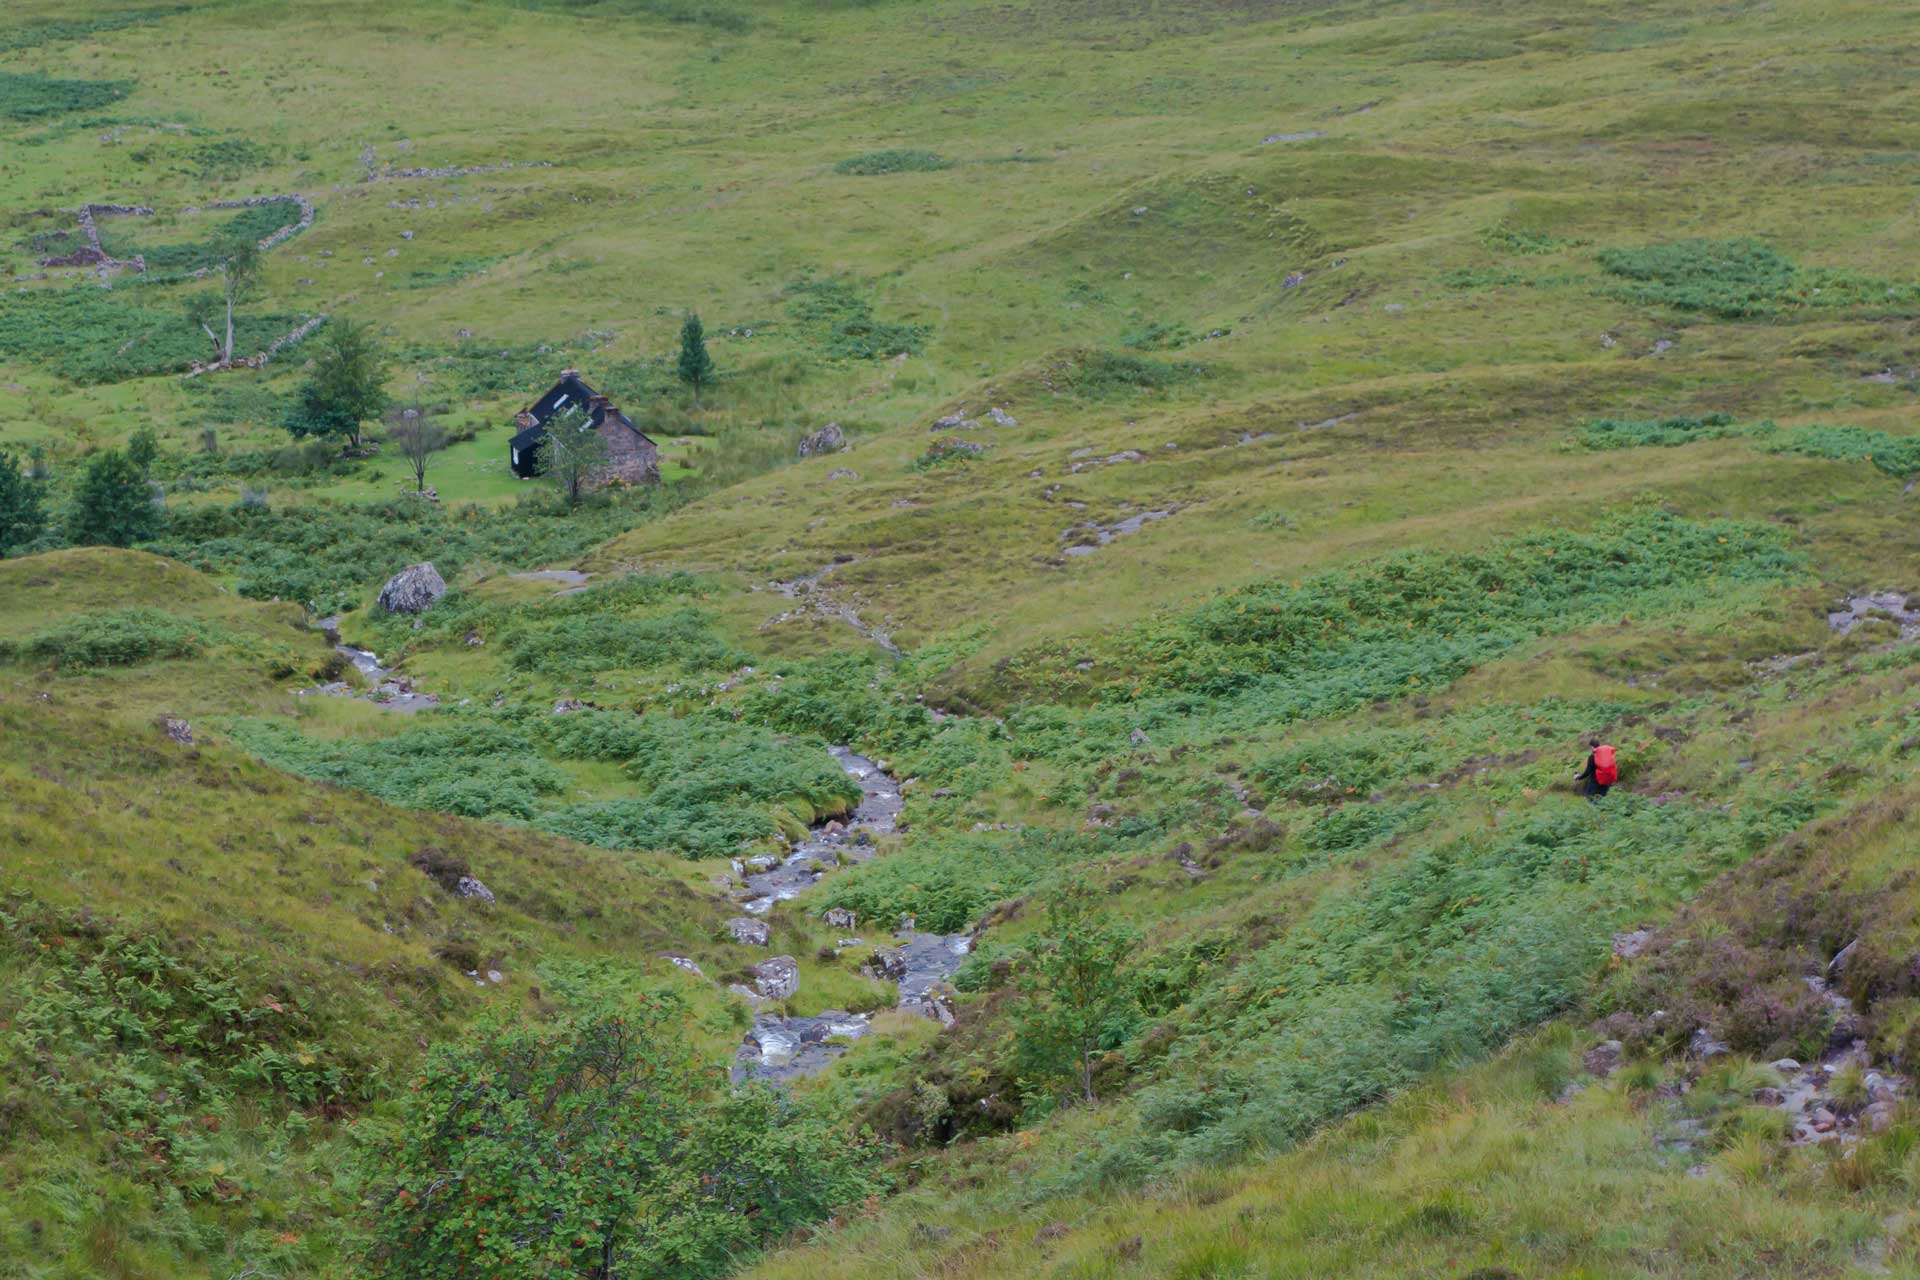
[1310,732]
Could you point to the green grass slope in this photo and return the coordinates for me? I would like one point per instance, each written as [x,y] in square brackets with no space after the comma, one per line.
[1280,435]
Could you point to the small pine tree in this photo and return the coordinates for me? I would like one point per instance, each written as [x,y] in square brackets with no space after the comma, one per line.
[114,505]
[696,366]
[23,516]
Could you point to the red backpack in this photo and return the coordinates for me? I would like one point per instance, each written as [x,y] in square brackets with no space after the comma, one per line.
[1605,771]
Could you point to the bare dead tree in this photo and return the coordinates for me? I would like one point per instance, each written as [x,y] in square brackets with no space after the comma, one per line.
[419,436]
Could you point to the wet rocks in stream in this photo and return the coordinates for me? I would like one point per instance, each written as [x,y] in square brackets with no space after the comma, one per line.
[779,1047]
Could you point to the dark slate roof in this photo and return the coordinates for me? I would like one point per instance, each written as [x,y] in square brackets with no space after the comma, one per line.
[570,390]
[567,393]
[533,435]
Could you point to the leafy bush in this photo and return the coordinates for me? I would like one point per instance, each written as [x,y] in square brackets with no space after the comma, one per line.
[681,1180]
[1898,456]
[1634,433]
[1744,279]
[839,322]
[1098,374]
[875,163]
[25,96]
[466,764]
[1511,239]
[123,638]
[703,786]
[577,647]
[946,453]
[1158,335]
[947,882]
[708,783]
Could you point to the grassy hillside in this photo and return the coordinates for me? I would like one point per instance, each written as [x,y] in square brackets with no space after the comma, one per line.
[1280,437]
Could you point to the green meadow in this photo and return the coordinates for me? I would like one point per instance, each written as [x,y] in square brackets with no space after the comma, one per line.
[1279,436]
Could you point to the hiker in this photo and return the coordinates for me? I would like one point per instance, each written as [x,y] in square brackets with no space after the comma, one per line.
[1600,772]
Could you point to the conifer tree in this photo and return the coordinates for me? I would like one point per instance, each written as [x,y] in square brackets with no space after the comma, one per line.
[695,366]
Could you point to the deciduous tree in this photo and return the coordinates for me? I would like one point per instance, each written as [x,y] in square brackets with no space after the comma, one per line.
[419,436]
[23,516]
[239,271]
[114,505]
[1077,993]
[572,452]
[346,387]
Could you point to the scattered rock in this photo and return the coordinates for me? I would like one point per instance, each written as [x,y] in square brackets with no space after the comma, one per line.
[686,963]
[840,918]
[470,887]
[1838,965]
[828,439]
[1704,1047]
[1604,1058]
[751,932]
[1272,138]
[841,473]
[1139,738]
[567,706]
[1629,945]
[412,590]
[179,730]
[1785,1066]
[1052,1231]
[778,978]
[1001,418]
[1768,1096]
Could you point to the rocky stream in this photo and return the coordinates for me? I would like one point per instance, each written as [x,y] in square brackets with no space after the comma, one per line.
[780,1047]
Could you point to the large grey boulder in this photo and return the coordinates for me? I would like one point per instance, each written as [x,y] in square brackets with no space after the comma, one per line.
[778,978]
[828,439]
[412,590]
[469,887]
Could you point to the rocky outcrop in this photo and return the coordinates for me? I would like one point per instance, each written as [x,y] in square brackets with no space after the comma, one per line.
[414,589]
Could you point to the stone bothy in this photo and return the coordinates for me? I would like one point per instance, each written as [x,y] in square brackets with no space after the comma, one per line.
[632,457]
